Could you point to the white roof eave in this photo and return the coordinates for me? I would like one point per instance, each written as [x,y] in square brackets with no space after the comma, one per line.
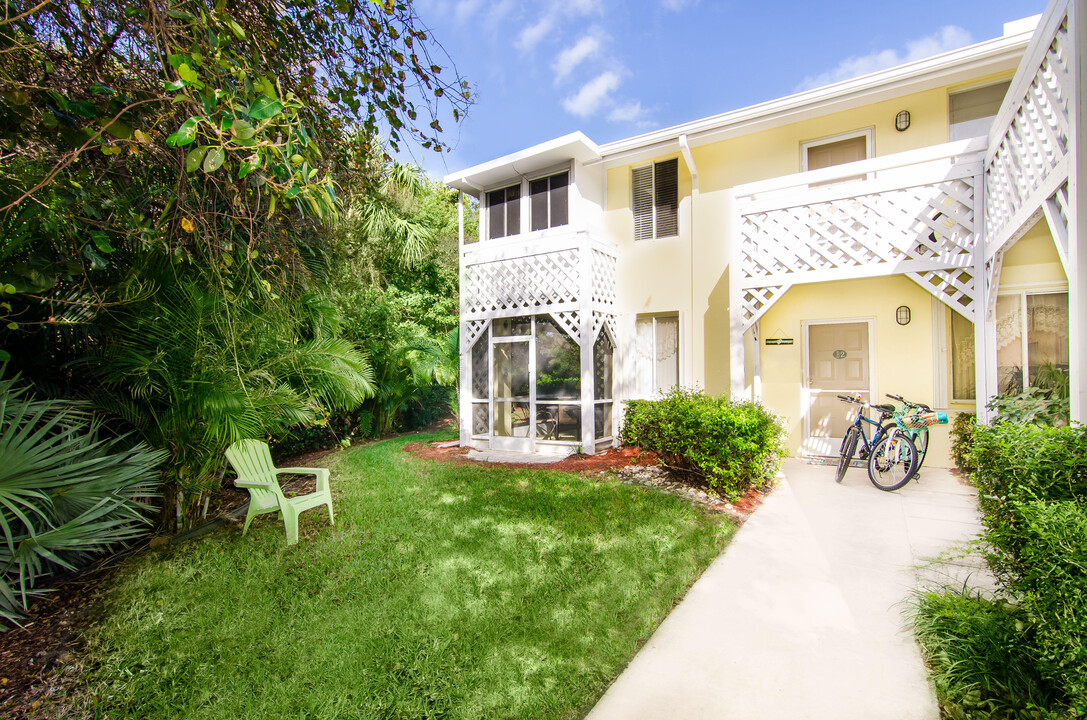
[473,180]
[982,58]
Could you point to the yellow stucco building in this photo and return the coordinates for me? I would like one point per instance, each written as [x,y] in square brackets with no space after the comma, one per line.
[913,231]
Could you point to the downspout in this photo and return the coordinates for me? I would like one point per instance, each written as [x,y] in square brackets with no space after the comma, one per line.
[685,148]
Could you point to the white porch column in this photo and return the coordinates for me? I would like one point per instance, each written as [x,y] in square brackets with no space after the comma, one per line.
[984,326]
[585,304]
[1077,214]
[735,303]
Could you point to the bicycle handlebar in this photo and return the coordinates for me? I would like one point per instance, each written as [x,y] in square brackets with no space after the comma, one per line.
[908,403]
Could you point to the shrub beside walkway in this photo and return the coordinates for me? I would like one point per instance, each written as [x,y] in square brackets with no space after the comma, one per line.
[802,617]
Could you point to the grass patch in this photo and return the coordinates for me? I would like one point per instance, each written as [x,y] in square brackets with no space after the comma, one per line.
[443,591]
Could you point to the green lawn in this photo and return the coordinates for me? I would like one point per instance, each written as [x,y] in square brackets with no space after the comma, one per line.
[443,591]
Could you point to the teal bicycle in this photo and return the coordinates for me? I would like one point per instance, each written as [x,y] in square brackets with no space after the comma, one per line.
[896,450]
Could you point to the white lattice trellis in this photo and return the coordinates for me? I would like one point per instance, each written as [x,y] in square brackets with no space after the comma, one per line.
[471,330]
[1027,163]
[926,232]
[569,321]
[604,272]
[531,282]
[604,320]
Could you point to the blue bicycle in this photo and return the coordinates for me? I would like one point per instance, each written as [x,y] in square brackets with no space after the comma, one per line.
[857,433]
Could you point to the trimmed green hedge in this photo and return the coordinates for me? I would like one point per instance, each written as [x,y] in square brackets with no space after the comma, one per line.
[1033,491]
[734,445]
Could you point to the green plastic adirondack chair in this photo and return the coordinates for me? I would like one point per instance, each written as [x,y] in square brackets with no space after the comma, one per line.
[252,461]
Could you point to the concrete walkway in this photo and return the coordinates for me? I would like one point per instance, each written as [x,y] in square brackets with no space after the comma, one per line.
[802,616]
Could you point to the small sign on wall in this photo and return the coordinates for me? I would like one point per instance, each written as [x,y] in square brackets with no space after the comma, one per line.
[779,341]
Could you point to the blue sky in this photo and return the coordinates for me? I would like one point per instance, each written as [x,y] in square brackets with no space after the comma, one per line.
[613,69]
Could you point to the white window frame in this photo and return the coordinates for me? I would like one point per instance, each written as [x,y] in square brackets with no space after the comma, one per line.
[946,376]
[1022,291]
[653,175]
[868,133]
[680,338]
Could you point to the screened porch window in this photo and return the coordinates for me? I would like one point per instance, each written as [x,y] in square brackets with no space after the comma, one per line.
[558,383]
[1031,337]
[656,354]
[603,354]
[481,406]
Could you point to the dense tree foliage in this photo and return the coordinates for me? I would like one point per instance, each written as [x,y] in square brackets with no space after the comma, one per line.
[197,224]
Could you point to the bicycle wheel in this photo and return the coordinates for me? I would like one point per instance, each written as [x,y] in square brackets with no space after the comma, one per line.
[892,462]
[920,441]
[849,446]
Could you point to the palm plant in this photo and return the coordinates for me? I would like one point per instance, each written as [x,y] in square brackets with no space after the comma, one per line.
[199,365]
[65,495]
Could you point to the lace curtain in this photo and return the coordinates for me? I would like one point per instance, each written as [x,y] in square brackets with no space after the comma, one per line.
[656,355]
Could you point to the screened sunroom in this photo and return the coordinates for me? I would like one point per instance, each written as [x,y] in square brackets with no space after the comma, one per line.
[538,346]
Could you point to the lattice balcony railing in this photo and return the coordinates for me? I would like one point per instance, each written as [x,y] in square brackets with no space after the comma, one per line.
[916,217]
[1027,161]
[563,277]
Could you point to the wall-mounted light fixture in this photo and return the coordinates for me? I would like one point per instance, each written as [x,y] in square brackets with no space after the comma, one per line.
[902,121]
[902,315]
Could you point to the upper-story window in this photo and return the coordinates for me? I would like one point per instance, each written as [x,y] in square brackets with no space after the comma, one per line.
[504,212]
[550,201]
[838,150]
[972,111]
[656,200]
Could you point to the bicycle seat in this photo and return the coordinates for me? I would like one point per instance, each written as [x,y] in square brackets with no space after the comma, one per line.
[887,409]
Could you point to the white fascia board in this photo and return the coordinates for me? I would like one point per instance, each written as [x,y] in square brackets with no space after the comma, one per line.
[981,59]
[474,180]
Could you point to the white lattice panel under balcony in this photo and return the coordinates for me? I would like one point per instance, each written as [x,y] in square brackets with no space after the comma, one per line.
[926,232]
[604,272]
[524,283]
[601,320]
[1033,146]
[757,300]
[471,330]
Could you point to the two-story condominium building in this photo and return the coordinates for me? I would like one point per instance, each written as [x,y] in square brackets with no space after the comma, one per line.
[913,231]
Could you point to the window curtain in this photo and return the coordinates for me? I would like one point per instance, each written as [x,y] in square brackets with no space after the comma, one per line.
[1047,329]
[963,377]
[644,354]
[667,353]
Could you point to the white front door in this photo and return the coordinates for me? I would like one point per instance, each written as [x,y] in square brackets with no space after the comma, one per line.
[838,363]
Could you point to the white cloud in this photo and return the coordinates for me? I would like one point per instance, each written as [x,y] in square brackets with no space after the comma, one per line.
[627,112]
[578,7]
[533,34]
[465,9]
[949,37]
[572,56]
[593,95]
